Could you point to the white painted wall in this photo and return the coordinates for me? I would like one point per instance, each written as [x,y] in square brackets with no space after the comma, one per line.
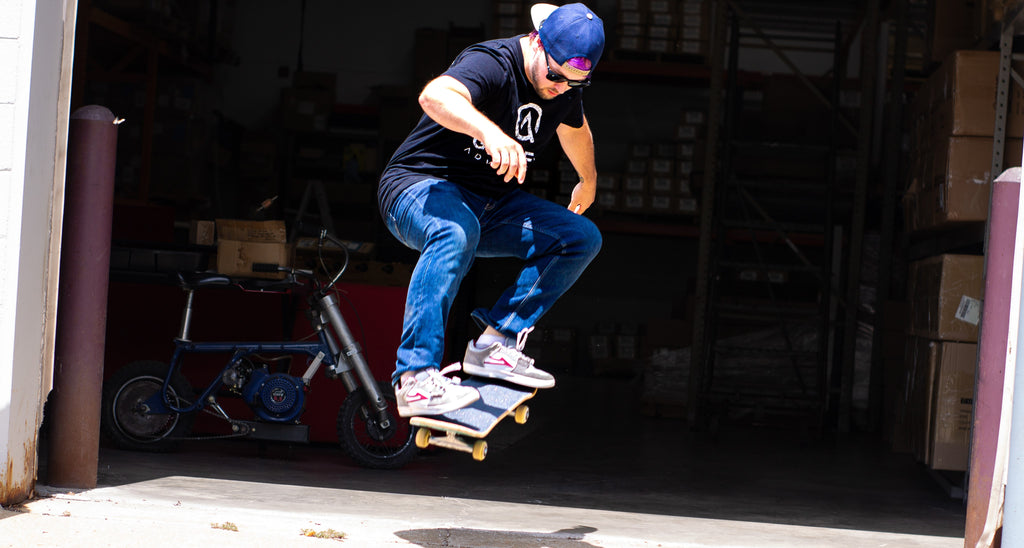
[34,99]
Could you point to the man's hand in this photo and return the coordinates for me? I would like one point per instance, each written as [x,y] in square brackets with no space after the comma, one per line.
[582,197]
[507,156]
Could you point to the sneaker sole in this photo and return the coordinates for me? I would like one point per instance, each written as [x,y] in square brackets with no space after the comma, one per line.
[407,411]
[528,382]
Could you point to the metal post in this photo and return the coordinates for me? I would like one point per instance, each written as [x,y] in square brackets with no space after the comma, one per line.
[995,347]
[844,391]
[890,177]
[82,303]
[1013,506]
[699,351]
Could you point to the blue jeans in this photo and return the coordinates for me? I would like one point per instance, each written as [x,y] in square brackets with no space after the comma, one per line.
[450,227]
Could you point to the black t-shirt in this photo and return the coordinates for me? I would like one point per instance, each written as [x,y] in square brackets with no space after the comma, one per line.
[493,73]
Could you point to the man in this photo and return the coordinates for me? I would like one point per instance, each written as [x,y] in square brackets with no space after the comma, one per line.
[451,191]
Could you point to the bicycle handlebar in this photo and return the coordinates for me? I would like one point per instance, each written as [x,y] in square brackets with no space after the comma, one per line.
[306,273]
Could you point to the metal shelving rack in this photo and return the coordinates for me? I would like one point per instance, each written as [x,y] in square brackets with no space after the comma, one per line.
[787,377]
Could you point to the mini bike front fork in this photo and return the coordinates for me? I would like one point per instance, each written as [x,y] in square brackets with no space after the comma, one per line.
[354,357]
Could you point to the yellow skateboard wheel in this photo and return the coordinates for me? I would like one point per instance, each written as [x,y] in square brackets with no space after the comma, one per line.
[480,450]
[522,414]
[422,438]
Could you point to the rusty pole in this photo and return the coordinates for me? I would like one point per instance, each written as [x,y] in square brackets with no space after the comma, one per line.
[82,303]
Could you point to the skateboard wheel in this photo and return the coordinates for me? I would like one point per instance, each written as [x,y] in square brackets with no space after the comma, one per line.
[422,438]
[480,450]
[522,414]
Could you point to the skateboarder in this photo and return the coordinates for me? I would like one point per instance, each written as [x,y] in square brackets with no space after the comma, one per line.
[452,192]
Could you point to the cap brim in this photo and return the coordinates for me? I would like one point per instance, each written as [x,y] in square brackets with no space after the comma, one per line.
[540,12]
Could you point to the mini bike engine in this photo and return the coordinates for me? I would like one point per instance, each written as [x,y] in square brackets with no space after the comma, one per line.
[275,397]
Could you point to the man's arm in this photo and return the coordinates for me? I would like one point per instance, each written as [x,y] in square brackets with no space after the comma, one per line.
[448,102]
[578,144]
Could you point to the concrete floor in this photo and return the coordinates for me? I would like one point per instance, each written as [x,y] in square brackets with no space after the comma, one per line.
[576,478]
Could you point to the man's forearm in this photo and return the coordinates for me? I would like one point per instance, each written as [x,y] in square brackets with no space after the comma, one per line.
[578,145]
[448,106]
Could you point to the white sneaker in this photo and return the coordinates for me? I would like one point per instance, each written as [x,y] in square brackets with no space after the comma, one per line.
[431,392]
[508,363]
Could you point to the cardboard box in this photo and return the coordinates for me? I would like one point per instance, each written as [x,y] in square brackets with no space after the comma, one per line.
[945,293]
[952,405]
[920,378]
[241,244]
[959,98]
[306,109]
[939,403]
[952,181]
[952,26]
[202,232]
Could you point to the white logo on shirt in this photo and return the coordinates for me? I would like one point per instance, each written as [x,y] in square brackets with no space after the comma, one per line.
[528,122]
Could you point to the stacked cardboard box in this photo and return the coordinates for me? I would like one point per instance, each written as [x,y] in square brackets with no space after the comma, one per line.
[678,27]
[659,177]
[614,349]
[242,244]
[953,117]
[511,17]
[932,409]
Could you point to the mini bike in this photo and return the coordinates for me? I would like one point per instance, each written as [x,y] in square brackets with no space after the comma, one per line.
[150,405]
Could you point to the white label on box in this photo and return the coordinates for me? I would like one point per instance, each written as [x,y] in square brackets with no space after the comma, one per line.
[691,33]
[629,42]
[657,46]
[633,182]
[632,30]
[695,117]
[661,202]
[508,8]
[689,46]
[641,149]
[692,7]
[661,165]
[607,182]
[630,18]
[686,132]
[658,32]
[661,184]
[662,19]
[969,310]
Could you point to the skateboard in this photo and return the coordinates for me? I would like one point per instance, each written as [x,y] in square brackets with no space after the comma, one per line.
[461,427]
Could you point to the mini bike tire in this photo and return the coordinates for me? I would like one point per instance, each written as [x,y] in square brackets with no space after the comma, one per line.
[128,429]
[356,434]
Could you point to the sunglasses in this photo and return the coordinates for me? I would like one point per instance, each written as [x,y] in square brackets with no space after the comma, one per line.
[558,78]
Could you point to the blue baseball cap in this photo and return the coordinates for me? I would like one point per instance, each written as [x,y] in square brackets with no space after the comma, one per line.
[570,32]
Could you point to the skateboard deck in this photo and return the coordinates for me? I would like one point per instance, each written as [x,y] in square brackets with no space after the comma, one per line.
[497,400]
